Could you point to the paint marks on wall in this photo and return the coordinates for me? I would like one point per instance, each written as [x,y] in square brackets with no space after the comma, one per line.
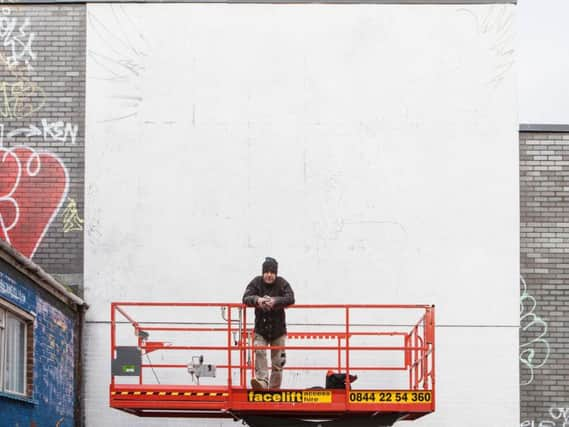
[558,417]
[39,92]
[496,27]
[54,355]
[57,131]
[122,62]
[20,96]
[534,347]
[71,219]
[12,291]
[33,187]
[17,39]
[56,358]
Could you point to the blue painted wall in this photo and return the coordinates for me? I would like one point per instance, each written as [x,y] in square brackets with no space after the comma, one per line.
[54,391]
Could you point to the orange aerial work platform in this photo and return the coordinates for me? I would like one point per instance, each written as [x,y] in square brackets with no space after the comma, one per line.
[196,360]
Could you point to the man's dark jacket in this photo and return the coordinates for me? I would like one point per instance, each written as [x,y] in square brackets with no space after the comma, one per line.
[269,324]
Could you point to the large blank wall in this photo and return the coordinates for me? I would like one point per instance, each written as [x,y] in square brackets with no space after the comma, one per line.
[371,149]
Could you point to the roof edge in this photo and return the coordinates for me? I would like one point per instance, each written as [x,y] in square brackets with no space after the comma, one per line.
[551,128]
[392,2]
[38,274]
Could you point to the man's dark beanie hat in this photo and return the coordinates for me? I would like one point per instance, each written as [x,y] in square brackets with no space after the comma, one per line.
[270,264]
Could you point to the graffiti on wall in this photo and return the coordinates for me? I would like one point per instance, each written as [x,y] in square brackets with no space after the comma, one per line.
[534,347]
[33,187]
[20,99]
[71,219]
[19,95]
[33,184]
[57,131]
[16,39]
[559,417]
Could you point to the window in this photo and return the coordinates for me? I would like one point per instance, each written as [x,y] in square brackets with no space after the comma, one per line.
[14,349]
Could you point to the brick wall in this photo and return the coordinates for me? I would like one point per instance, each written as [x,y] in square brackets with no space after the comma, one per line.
[544,305]
[53,353]
[42,103]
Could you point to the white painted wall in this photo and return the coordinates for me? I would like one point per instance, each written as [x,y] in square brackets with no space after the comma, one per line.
[371,149]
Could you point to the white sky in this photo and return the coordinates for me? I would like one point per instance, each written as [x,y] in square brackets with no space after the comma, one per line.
[543,61]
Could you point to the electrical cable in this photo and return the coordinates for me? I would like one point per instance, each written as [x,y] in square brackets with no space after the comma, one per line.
[151,367]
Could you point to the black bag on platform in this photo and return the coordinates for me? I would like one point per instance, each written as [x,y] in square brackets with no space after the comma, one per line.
[338,380]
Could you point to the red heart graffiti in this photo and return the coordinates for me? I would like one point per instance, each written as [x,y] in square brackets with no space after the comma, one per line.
[33,187]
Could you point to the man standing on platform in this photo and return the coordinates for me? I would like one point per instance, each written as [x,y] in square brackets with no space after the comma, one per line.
[269,294]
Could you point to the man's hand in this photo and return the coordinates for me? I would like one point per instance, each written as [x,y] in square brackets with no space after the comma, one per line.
[269,302]
[261,301]
[265,303]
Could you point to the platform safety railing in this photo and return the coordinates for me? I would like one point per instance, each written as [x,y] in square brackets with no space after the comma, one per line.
[355,339]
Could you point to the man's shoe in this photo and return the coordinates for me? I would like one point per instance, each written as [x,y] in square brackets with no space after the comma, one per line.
[258,384]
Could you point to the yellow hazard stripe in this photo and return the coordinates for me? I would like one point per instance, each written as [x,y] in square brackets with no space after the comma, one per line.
[168,393]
